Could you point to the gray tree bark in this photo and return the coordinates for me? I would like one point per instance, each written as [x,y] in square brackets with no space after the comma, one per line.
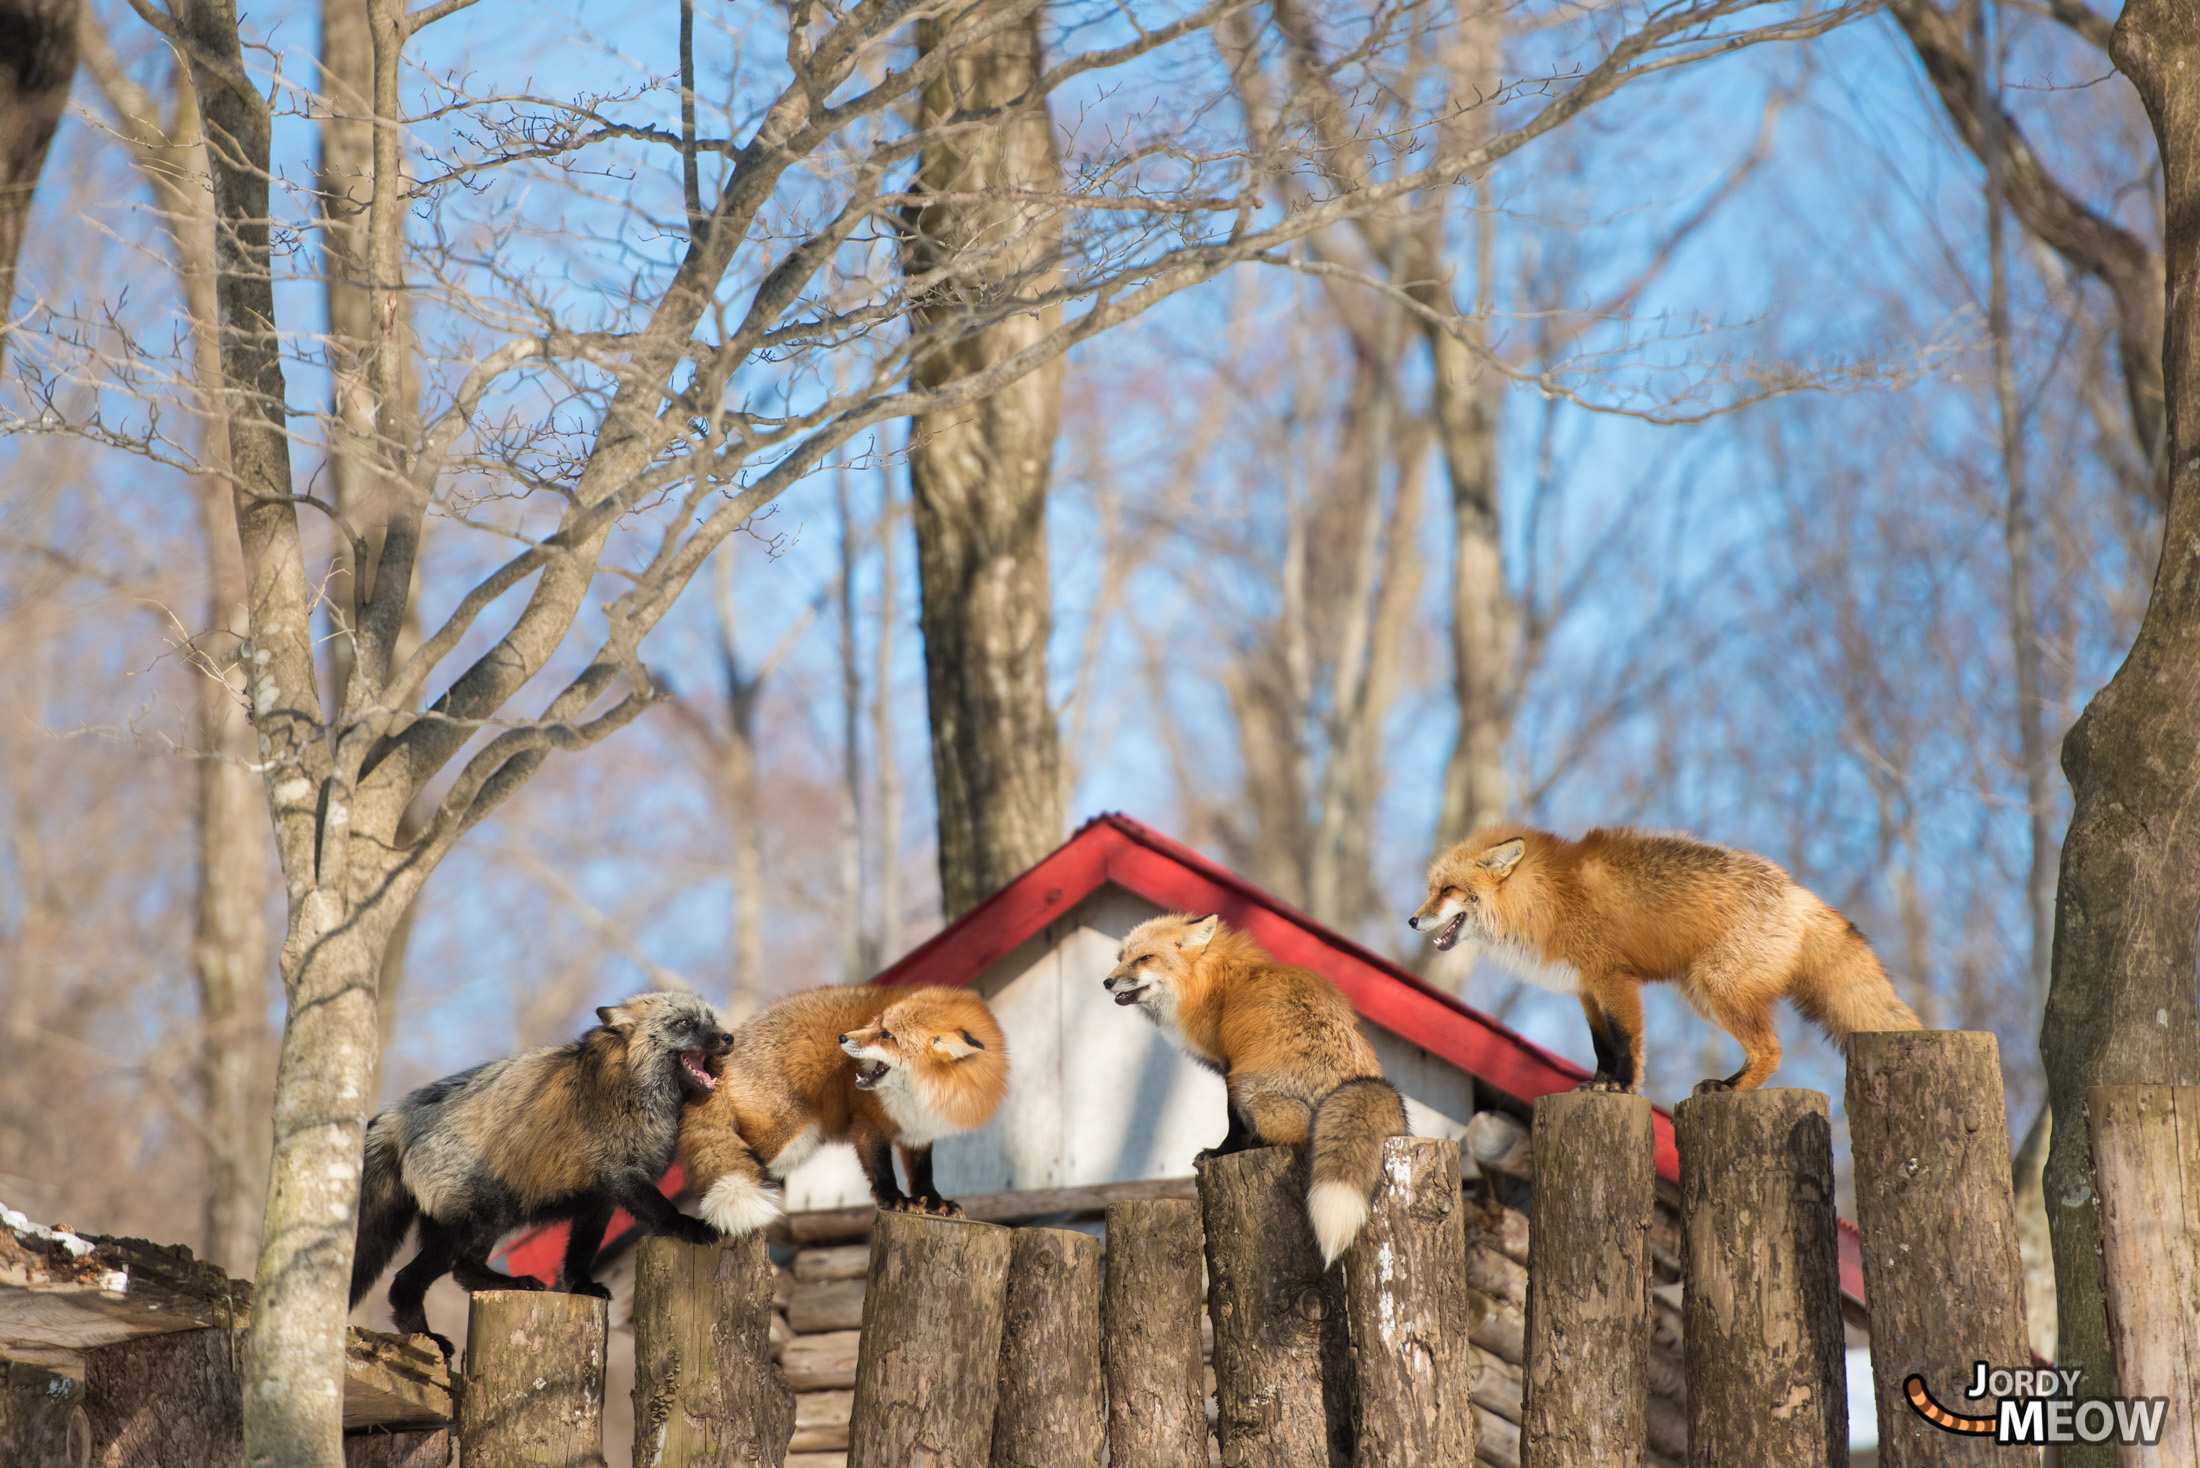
[928,1373]
[35,72]
[533,1389]
[1050,1413]
[398,1449]
[2122,1010]
[1938,1221]
[1283,1358]
[43,1423]
[2146,1171]
[1761,1303]
[1587,1372]
[706,1392]
[1156,1386]
[978,475]
[1407,1302]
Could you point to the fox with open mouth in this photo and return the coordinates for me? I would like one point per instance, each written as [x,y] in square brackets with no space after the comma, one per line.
[886,1069]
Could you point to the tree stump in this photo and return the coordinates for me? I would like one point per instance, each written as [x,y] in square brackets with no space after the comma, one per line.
[1283,1366]
[706,1391]
[1938,1220]
[2146,1171]
[1406,1301]
[1761,1307]
[532,1394]
[167,1399]
[1587,1373]
[928,1371]
[1157,1389]
[43,1423]
[1051,1412]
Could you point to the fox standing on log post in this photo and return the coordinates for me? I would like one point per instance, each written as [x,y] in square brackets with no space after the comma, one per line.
[927,1063]
[1299,1072]
[565,1132]
[1600,916]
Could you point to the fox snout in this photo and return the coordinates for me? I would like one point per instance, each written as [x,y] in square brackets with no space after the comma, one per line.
[1443,916]
[1126,984]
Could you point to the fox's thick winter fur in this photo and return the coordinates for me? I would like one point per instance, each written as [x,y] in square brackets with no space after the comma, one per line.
[1600,916]
[876,1066]
[1299,1072]
[564,1132]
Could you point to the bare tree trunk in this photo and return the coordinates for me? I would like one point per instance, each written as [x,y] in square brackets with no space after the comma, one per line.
[856,957]
[358,458]
[229,939]
[2122,1010]
[38,63]
[978,475]
[882,741]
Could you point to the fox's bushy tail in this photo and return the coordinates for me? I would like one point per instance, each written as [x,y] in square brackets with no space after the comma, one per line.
[386,1206]
[1839,983]
[1344,1158]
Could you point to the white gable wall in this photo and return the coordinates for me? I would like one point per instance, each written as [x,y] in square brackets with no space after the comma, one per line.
[1095,1094]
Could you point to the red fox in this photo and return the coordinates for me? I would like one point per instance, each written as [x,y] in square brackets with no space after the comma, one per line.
[1600,916]
[1299,1072]
[879,1067]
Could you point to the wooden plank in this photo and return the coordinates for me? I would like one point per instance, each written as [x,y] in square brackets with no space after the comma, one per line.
[395,1381]
[822,1409]
[64,1292]
[828,1360]
[834,1225]
[835,1304]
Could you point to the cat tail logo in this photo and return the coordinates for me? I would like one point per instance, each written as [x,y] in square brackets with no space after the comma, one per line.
[2035,1408]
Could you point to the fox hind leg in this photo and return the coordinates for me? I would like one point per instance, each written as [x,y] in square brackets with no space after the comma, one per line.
[1750,1023]
[409,1291]
[1278,1110]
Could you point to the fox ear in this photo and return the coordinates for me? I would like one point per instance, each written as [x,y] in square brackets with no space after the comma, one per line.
[1197,935]
[1503,857]
[614,1017]
[957,1045]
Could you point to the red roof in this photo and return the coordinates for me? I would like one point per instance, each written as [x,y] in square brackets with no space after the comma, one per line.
[1116,849]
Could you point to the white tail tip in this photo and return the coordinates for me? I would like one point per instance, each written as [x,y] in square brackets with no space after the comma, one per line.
[735,1206]
[1337,1211]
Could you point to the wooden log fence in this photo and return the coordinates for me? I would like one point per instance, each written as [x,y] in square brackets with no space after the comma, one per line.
[1588,1350]
[1938,1219]
[1621,1326]
[1767,1378]
[532,1392]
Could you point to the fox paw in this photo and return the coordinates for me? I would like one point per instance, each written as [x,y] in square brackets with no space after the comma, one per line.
[939,1207]
[590,1288]
[1606,1086]
[443,1344]
[691,1230]
[1711,1088]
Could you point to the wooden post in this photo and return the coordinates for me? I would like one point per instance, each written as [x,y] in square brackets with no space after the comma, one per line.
[1283,1368]
[2146,1178]
[1157,1389]
[1051,1410]
[1587,1377]
[1761,1303]
[533,1387]
[705,1389]
[928,1371]
[167,1399]
[1939,1229]
[1405,1281]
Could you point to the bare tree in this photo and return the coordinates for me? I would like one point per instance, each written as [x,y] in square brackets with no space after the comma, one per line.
[229,943]
[2124,1007]
[978,475]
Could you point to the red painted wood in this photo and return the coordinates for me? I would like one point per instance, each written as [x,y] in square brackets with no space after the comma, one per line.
[1115,848]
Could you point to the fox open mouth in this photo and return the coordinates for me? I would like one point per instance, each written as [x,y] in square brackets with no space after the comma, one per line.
[691,1061]
[1124,998]
[869,1073]
[1451,931]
